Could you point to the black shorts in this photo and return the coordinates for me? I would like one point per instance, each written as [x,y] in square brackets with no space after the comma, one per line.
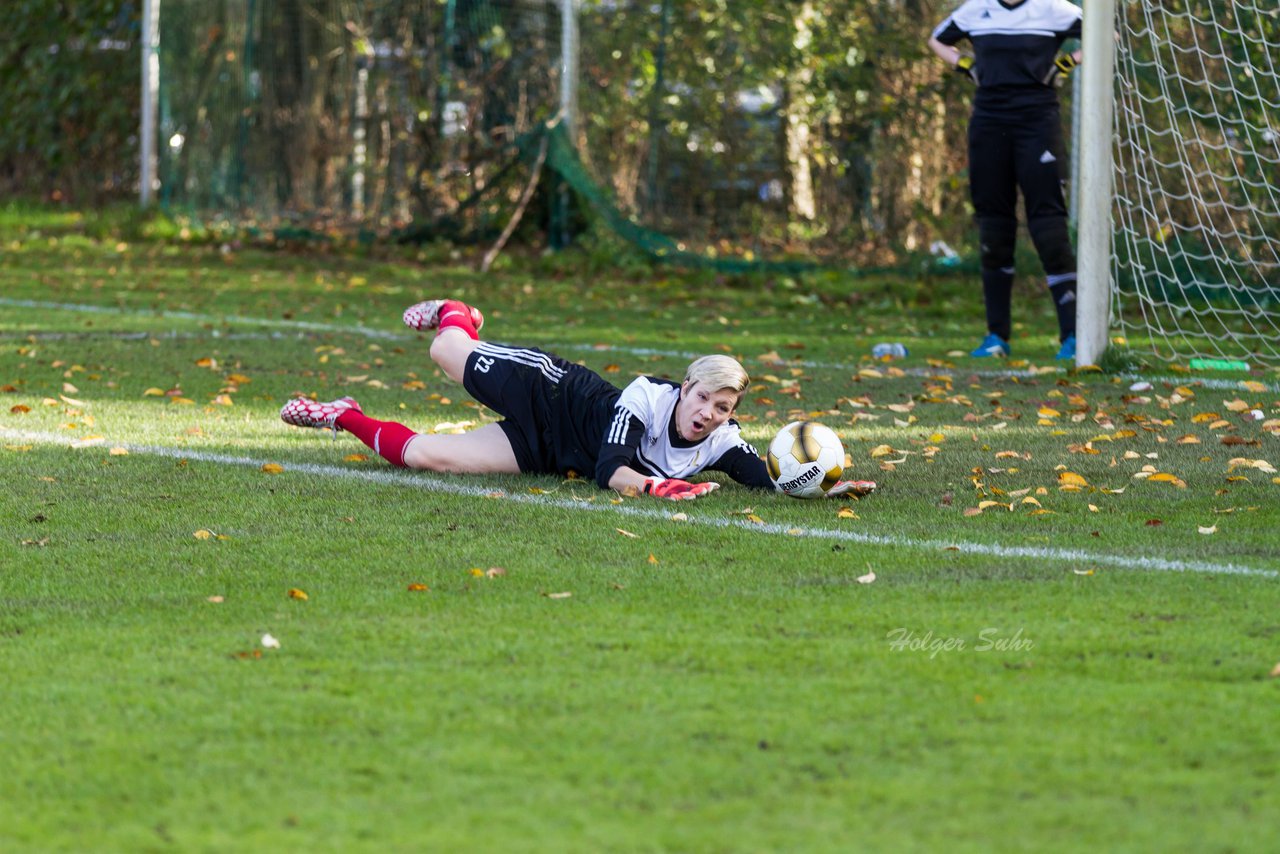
[553,411]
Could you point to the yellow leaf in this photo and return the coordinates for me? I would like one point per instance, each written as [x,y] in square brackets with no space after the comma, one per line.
[1253,385]
[295,593]
[418,588]
[206,362]
[1067,478]
[271,468]
[1046,412]
[1165,477]
[476,572]
[182,401]
[1204,416]
[1093,508]
[652,559]
[983,505]
[1125,434]
[627,533]
[1236,405]
[203,534]
[119,452]
[1030,500]
[751,517]
[355,458]
[1188,440]
[882,451]
[153,392]
[846,513]
[936,438]
[238,379]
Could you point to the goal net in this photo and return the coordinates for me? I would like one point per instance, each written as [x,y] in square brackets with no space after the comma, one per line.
[1197,179]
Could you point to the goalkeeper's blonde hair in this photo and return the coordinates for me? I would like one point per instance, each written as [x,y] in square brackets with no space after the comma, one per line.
[720,373]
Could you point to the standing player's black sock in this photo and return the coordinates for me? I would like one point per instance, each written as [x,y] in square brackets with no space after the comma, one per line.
[997,294]
[1064,300]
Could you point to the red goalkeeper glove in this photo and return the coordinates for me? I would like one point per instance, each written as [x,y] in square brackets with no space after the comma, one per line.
[852,487]
[677,490]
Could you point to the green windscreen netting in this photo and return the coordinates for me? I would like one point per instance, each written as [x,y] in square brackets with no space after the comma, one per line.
[698,129]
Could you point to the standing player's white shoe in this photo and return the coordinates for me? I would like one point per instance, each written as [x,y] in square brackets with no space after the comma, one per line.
[301,412]
[426,315]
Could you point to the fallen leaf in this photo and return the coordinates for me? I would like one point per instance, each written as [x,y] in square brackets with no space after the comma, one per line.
[272,468]
[217,600]
[754,519]
[882,451]
[564,595]
[868,578]
[652,559]
[1211,529]
[1067,478]
[19,409]
[270,642]
[203,534]
[1165,477]
[43,541]
[295,593]
[417,588]
[679,517]
[355,458]
[153,392]
[476,572]
[1083,571]
[495,572]
[627,533]
[846,513]
[1275,672]
[1154,523]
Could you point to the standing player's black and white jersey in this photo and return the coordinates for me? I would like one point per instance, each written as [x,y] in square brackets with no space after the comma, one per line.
[1014,48]
[642,435]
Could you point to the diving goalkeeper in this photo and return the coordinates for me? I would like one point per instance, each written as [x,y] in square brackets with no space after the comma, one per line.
[561,418]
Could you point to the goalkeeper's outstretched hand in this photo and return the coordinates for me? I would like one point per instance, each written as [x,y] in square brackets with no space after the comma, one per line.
[677,490]
[1063,65]
[852,487]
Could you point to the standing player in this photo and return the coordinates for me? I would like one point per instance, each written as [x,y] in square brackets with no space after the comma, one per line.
[1015,142]
[559,417]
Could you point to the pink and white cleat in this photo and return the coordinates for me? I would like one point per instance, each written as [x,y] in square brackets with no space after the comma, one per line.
[301,412]
[426,315]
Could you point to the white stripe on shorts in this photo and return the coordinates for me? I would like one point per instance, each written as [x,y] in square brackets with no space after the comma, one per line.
[521,356]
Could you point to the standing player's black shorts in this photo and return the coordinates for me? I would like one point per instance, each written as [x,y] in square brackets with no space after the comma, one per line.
[554,412]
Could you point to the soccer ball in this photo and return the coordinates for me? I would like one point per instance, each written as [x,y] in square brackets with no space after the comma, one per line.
[805,459]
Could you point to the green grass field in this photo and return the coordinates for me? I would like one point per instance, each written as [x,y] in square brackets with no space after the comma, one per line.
[1068,643]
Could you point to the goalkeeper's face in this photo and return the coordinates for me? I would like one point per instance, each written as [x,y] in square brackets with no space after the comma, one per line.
[702,409]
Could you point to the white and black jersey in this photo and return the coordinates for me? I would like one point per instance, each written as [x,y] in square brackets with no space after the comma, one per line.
[1014,48]
[642,435]
[562,418]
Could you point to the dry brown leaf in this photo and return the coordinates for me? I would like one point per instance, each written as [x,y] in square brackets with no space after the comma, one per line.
[19,409]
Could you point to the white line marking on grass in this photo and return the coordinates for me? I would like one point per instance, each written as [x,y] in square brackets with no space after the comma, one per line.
[431,483]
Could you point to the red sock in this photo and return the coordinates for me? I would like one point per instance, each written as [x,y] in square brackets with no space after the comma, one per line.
[454,313]
[387,438]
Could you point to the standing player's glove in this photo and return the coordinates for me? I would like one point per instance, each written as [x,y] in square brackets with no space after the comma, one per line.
[964,65]
[852,487]
[677,490]
[1062,65]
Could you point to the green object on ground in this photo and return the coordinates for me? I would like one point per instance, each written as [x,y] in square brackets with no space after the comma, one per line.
[1219,365]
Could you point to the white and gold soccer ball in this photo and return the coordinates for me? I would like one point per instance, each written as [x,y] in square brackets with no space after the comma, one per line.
[805,459]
